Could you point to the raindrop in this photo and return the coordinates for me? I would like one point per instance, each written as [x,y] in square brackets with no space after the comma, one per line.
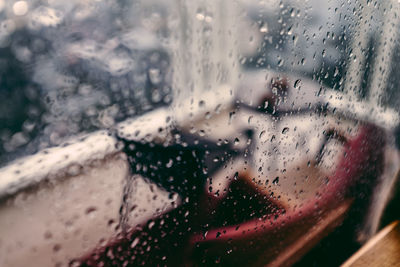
[275,181]
[151,224]
[74,170]
[231,116]
[20,8]
[218,108]
[295,38]
[289,31]
[169,163]
[200,16]
[48,235]
[75,263]
[285,130]
[336,72]
[56,247]
[264,28]
[156,96]
[155,76]
[297,84]
[292,12]
[205,234]
[173,196]
[90,210]
[237,141]
[135,242]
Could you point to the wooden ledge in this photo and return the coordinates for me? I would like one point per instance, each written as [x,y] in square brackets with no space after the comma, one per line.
[381,250]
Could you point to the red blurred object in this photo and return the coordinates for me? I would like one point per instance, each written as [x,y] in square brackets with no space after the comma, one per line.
[247,227]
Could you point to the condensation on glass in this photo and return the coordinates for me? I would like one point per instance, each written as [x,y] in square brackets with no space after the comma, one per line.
[193,132]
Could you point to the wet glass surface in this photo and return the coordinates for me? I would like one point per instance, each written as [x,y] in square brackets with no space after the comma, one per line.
[195,132]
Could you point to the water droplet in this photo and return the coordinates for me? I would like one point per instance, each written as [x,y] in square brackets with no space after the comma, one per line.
[90,210]
[264,28]
[285,130]
[75,263]
[275,181]
[169,163]
[295,38]
[336,72]
[155,76]
[200,16]
[135,242]
[218,108]
[205,234]
[290,30]
[297,84]
[292,12]
[20,8]
[266,105]
[48,235]
[151,224]
[231,116]
[56,247]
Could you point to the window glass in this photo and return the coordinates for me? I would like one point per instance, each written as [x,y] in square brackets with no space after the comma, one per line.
[201,132]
